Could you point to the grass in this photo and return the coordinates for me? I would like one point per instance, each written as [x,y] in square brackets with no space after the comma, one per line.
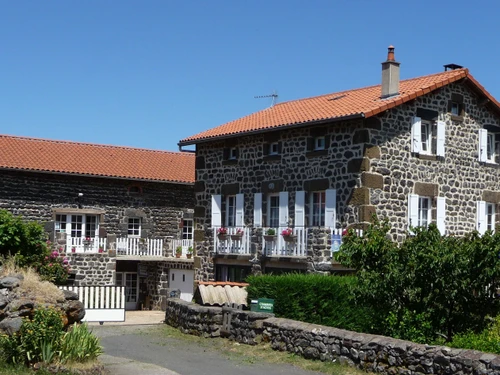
[32,287]
[73,368]
[260,353]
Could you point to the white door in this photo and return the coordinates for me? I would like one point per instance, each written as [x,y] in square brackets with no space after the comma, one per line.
[130,281]
[182,280]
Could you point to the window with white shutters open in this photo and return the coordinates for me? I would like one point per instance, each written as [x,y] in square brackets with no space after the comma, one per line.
[300,197]
[257,210]
[428,137]
[420,211]
[485,217]
[216,211]
[283,209]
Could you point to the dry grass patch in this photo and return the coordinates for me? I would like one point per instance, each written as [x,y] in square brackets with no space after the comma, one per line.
[31,286]
[262,353]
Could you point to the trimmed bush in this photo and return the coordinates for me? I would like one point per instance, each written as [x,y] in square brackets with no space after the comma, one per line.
[318,299]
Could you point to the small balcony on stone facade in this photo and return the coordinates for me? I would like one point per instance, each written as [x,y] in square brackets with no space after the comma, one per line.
[232,240]
[184,244]
[285,241]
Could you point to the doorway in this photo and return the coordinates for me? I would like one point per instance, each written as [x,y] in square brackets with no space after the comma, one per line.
[130,281]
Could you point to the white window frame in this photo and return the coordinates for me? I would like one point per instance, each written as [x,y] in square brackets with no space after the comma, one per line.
[424,211]
[426,138]
[187,229]
[134,227]
[317,209]
[274,148]
[230,211]
[491,148]
[319,143]
[490,218]
[273,221]
[77,225]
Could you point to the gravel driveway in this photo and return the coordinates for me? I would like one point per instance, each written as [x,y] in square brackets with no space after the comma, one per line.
[141,349]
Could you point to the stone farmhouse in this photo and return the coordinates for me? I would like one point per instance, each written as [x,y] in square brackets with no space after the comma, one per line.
[118,213]
[275,189]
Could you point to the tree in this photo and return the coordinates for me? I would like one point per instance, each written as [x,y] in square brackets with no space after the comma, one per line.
[430,285]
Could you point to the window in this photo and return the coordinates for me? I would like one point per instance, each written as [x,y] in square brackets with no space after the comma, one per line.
[455,109]
[319,143]
[317,209]
[426,138]
[486,216]
[134,226]
[233,153]
[490,216]
[60,223]
[187,229]
[274,148]
[424,212]
[77,225]
[273,209]
[488,146]
[231,211]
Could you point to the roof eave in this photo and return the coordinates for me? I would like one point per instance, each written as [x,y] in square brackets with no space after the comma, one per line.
[87,175]
[266,130]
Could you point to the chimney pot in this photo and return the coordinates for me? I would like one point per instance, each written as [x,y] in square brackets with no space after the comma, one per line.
[390,75]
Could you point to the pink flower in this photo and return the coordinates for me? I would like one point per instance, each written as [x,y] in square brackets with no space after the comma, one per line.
[65,261]
[344,232]
[50,264]
[46,258]
[222,230]
[287,232]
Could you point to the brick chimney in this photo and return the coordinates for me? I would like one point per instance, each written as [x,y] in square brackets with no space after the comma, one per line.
[390,75]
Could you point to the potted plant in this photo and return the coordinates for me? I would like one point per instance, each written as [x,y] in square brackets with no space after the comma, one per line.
[87,241]
[178,251]
[222,233]
[238,235]
[101,249]
[270,235]
[73,249]
[288,235]
[189,252]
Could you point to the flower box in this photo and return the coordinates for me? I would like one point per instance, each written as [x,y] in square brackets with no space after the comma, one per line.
[222,236]
[290,238]
[236,237]
[269,237]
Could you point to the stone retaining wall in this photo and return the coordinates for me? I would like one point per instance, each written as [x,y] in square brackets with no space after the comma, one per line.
[368,352]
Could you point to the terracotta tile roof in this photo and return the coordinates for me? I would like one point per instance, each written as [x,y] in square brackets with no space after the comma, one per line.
[363,102]
[33,154]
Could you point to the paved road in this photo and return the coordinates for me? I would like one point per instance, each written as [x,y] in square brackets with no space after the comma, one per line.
[140,349]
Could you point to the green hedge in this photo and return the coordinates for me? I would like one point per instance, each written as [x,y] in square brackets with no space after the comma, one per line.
[325,300]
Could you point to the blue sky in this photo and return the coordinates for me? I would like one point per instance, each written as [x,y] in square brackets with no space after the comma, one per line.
[149,73]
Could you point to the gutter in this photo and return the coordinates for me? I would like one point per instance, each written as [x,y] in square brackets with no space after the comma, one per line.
[267,130]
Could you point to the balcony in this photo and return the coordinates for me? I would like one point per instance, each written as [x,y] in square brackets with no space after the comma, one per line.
[232,242]
[129,246]
[294,245]
[89,245]
[183,244]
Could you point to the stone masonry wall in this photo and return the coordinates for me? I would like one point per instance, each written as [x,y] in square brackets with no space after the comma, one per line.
[369,162]
[34,196]
[93,269]
[367,352]
[459,176]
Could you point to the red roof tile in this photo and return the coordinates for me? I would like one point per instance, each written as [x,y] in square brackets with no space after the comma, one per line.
[33,154]
[364,102]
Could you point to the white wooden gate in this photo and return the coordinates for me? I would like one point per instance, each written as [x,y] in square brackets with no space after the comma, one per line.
[102,303]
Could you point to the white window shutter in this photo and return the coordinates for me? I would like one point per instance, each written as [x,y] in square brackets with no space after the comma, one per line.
[216,211]
[416,135]
[330,208]
[441,138]
[441,215]
[240,210]
[300,198]
[257,210]
[412,210]
[483,145]
[481,217]
[283,210]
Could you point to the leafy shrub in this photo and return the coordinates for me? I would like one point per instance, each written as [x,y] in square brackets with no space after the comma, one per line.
[79,345]
[27,345]
[487,340]
[43,340]
[54,267]
[431,285]
[318,299]
[27,240]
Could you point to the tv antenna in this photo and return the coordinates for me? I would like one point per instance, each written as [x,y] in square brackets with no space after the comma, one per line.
[274,97]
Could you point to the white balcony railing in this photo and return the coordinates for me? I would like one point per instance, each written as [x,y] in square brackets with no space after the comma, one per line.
[279,245]
[130,246]
[184,244]
[232,242]
[85,244]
